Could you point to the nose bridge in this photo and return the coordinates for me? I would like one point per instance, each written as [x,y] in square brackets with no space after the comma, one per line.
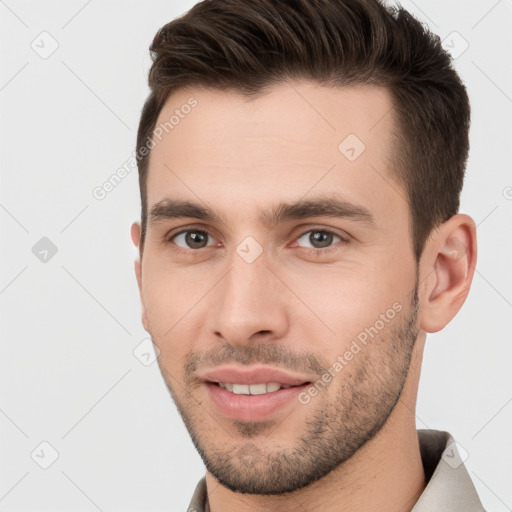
[246,300]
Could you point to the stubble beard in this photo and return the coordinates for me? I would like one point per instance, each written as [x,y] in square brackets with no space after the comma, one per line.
[367,391]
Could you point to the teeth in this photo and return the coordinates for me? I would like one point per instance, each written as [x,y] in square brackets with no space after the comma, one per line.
[257,389]
[252,389]
[241,389]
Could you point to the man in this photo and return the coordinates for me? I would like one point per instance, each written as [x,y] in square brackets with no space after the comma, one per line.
[300,166]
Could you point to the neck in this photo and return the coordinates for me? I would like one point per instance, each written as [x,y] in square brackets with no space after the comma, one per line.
[385,474]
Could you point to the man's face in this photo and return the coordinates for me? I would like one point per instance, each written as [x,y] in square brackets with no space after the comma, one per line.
[329,301]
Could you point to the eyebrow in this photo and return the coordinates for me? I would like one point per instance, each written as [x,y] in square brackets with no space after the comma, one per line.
[174,208]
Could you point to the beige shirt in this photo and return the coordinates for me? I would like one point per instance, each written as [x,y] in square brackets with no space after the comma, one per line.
[449,487]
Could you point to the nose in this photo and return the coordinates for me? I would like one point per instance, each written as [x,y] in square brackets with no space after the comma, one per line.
[249,303]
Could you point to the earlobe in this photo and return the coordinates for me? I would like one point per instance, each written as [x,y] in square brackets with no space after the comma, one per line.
[448,269]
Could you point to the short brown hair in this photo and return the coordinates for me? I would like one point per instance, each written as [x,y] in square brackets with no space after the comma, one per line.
[249,45]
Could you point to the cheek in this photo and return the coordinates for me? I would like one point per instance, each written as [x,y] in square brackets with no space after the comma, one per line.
[171,301]
[170,291]
[342,303]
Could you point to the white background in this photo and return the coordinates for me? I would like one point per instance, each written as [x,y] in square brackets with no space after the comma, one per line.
[68,375]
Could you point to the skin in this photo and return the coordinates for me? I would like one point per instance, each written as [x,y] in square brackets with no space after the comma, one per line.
[354,441]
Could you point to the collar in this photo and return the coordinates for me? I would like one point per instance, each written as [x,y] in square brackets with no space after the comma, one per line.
[449,485]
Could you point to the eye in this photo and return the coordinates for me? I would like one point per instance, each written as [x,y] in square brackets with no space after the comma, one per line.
[191,239]
[321,240]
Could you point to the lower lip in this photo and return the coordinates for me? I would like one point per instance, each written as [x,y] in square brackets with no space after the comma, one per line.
[251,407]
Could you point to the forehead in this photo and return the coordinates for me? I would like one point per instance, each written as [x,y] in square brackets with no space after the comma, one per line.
[299,138]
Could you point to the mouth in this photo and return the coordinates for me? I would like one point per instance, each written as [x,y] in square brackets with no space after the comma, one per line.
[251,395]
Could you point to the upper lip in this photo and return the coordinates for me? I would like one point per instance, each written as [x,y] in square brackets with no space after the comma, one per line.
[234,375]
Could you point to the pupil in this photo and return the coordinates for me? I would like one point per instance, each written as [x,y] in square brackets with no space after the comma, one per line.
[322,237]
[196,239]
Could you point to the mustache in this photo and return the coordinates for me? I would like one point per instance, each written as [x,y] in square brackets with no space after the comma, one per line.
[263,353]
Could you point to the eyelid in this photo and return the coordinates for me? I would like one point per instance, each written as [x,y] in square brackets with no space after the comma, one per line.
[345,236]
[183,229]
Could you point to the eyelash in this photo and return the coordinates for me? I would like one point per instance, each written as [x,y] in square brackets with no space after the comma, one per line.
[189,229]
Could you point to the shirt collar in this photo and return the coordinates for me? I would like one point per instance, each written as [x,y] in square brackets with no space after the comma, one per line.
[449,485]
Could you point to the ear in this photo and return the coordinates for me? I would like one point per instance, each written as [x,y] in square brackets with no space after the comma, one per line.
[135,234]
[447,268]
